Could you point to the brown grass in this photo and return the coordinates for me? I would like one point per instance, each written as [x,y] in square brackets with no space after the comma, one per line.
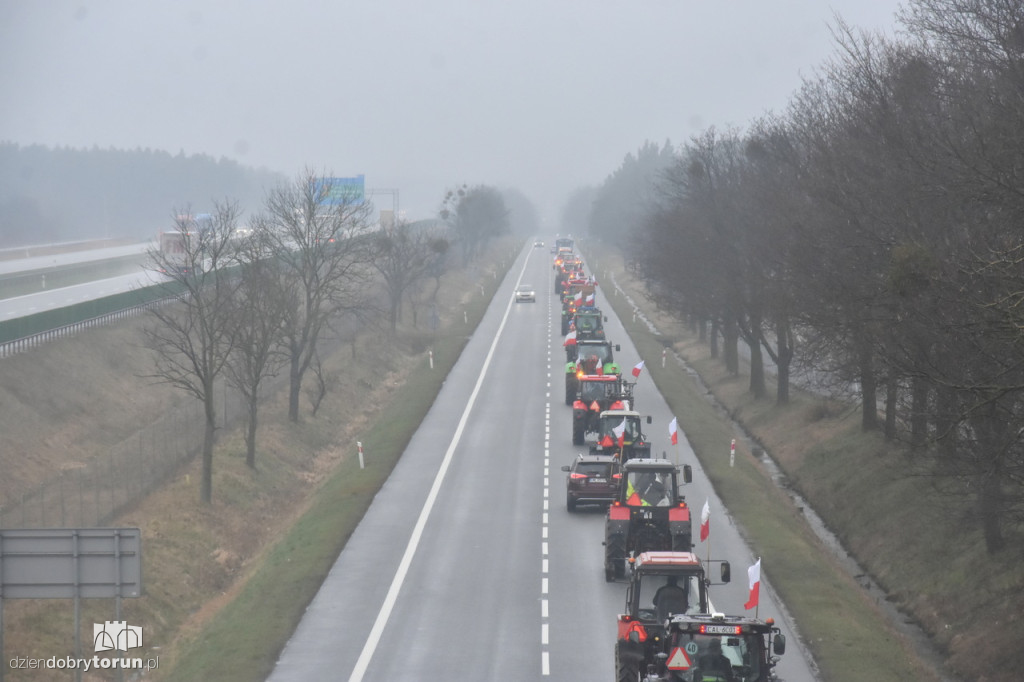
[926,550]
[67,403]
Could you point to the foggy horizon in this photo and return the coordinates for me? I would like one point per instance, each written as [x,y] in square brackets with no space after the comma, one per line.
[542,98]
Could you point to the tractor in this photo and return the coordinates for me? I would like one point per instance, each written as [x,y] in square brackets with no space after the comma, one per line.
[661,585]
[596,394]
[619,432]
[589,323]
[588,357]
[704,647]
[648,515]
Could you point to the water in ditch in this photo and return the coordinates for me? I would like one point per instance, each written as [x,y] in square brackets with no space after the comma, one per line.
[901,621]
[923,646]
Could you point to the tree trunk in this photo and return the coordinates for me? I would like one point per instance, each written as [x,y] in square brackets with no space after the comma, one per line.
[990,510]
[919,393]
[250,434]
[868,383]
[294,388]
[730,342]
[782,362]
[757,381]
[892,389]
[206,484]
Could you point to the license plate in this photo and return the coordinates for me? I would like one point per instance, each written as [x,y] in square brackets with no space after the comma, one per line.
[720,629]
[598,480]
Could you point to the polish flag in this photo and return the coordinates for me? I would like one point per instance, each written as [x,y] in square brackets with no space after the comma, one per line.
[578,297]
[673,431]
[570,339]
[754,578]
[705,521]
[620,432]
[638,368]
[589,300]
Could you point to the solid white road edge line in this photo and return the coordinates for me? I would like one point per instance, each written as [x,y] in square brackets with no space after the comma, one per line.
[417,532]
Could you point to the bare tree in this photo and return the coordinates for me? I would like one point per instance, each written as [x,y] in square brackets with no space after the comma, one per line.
[260,310]
[324,252]
[193,337]
[405,256]
[477,215]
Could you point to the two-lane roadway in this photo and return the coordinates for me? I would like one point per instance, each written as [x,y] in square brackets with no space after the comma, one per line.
[467,566]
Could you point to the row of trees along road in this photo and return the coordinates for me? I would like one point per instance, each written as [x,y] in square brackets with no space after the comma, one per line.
[258,301]
[870,234]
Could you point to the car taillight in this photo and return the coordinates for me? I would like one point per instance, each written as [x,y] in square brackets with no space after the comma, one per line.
[616,475]
[577,475]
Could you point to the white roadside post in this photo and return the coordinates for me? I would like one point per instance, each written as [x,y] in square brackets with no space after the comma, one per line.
[362,464]
[732,453]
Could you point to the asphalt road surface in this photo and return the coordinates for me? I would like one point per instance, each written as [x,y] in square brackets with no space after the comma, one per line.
[467,566]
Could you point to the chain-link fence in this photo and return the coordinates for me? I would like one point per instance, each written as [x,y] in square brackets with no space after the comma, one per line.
[92,494]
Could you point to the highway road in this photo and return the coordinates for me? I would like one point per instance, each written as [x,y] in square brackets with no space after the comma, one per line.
[20,306]
[467,564]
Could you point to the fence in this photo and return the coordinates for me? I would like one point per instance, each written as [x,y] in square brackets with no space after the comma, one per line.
[91,495]
[31,341]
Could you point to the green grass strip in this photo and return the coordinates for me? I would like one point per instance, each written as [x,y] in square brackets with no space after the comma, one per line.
[242,642]
[849,638]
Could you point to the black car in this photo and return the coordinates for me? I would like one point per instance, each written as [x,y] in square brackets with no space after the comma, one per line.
[592,479]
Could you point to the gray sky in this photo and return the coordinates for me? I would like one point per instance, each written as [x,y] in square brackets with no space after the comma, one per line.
[541,95]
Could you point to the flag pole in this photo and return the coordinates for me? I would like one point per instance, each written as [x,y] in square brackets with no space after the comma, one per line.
[757,606]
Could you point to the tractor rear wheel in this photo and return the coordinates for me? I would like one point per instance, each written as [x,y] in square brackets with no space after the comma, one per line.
[627,668]
[577,432]
[614,558]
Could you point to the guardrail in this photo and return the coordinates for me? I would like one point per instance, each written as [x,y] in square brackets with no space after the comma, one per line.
[26,343]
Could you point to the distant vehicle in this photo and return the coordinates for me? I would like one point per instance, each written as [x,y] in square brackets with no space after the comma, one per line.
[525,292]
[538,243]
[591,479]
[174,252]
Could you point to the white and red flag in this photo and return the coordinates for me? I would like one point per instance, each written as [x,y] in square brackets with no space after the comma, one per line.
[705,521]
[639,367]
[754,579]
[570,339]
[589,300]
[578,297]
[620,432]
[673,431]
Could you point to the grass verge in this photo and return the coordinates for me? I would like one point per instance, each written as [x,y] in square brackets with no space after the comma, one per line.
[846,633]
[255,625]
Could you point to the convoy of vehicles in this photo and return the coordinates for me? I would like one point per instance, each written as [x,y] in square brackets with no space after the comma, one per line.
[670,630]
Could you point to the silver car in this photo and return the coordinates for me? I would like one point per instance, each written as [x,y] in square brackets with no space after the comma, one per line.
[525,292]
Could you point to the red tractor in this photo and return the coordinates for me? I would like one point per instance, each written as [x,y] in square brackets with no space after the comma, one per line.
[595,394]
[661,586]
[649,515]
